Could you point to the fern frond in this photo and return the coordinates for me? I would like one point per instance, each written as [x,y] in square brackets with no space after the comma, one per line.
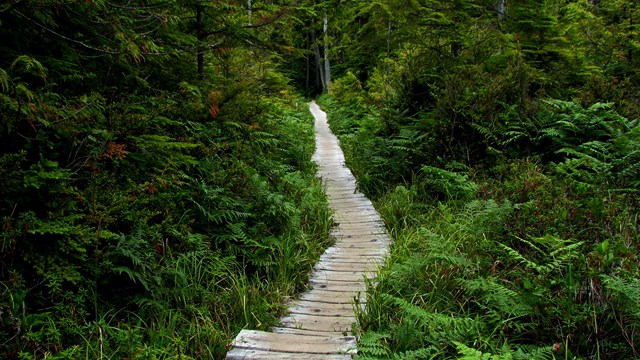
[473,354]
[442,325]
[506,302]
[134,276]
[564,253]
[29,65]
[4,81]
[431,352]
[625,291]
[529,352]
[373,345]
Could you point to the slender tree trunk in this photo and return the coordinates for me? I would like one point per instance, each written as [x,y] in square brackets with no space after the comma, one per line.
[327,66]
[500,9]
[389,33]
[308,78]
[319,65]
[631,30]
[200,48]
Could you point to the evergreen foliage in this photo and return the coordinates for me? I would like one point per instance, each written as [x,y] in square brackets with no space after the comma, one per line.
[157,195]
[156,189]
[502,151]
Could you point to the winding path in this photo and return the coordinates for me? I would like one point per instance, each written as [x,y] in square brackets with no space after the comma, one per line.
[318,324]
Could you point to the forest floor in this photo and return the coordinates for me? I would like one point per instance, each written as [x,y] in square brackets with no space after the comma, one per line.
[318,324]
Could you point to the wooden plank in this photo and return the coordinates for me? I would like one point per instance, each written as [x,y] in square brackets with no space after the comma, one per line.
[360,229]
[350,233]
[289,330]
[372,238]
[348,219]
[355,218]
[322,311]
[331,297]
[360,213]
[361,233]
[362,245]
[348,259]
[348,201]
[347,287]
[330,275]
[362,253]
[293,343]
[352,258]
[323,306]
[353,196]
[315,322]
[339,278]
[338,266]
[360,209]
[360,248]
[244,354]
[348,206]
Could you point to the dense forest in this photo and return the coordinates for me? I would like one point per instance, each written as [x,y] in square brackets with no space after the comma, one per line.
[157,192]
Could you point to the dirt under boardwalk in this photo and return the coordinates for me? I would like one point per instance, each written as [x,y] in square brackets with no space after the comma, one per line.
[319,323]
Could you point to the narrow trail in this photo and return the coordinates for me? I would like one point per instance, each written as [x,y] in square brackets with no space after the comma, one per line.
[318,324]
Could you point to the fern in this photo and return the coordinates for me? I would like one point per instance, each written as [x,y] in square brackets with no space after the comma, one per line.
[538,353]
[450,184]
[626,293]
[473,354]
[529,352]
[437,325]
[558,253]
[136,254]
[373,345]
[506,302]
[29,65]
[4,80]
[430,352]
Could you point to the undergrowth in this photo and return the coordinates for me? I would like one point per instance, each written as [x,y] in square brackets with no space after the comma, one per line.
[534,257]
[163,244]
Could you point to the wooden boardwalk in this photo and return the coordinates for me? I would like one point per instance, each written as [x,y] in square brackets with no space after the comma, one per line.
[318,324]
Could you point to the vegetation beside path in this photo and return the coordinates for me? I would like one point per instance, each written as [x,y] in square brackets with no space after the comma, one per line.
[156,193]
[534,256]
[156,188]
[500,142]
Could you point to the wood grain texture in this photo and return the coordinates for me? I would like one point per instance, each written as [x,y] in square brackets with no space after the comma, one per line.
[317,322]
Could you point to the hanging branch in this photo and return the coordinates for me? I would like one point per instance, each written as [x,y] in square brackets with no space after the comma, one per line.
[83,44]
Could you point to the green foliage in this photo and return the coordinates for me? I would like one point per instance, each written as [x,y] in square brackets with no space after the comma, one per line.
[531,255]
[449,184]
[502,152]
[147,213]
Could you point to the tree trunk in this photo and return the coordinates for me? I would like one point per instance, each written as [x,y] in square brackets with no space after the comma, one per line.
[389,33]
[308,78]
[500,9]
[327,66]
[200,48]
[319,65]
